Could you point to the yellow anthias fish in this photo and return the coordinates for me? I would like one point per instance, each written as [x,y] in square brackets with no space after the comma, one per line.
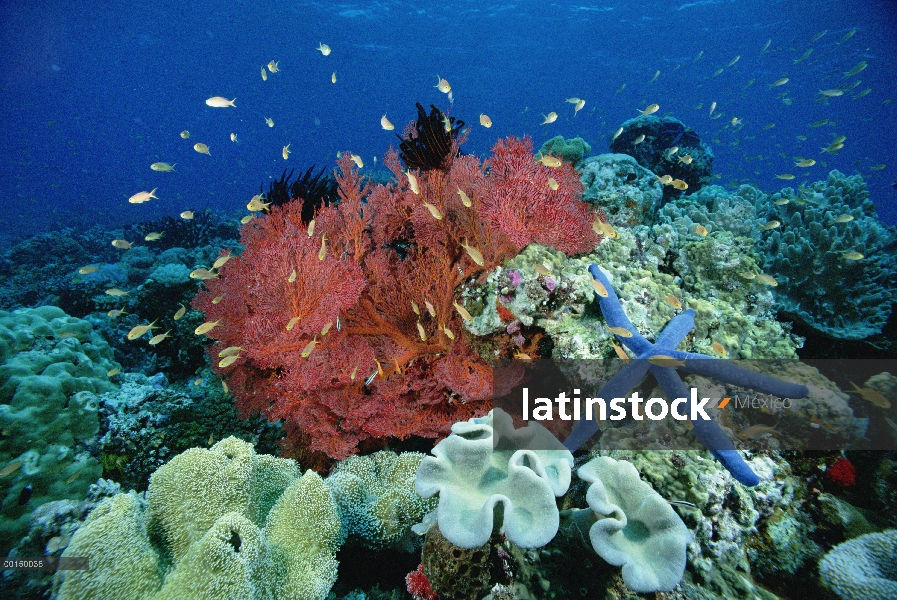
[876,398]
[433,211]
[233,138]
[207,327]
[665,180]
[230,351]
[180,312]
[651,109]
[465,199]
[767,279]
[333,77]
[599,288]
[448,332]
[553,184]
[638,140]
[662,360]
[156,339]
[286,152]
[323,251]
[720,349]
[550,118]
[257,204]
[673,301]
[701,230]
[832,93]
[843,219]
[309,347]
[311,228]
[185,134]
[851,255]
[264,74]
[116,312]
[473,253]
[809,162]
[778,82]
[246,219]
[617,134]
[463,312]
[269,121]
[187,215]
[162,167]
[273,66]
[140,331]
[222,260]
[219,102]
[357,160]
[550,161]
[412,181]
[679,184]
[771,225]
[153,236]
[430,308]
[485,121]
[88,270]
[141,197]
[201,148]
[323,49]
[785,176]
[121,244]
[228,361]
[203,274]
[116,292]
[442,85]
[385,123]
[620,331]
[421,332]
[217,299]
[578,107]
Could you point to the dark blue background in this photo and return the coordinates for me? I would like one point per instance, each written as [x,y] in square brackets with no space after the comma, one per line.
[92,93]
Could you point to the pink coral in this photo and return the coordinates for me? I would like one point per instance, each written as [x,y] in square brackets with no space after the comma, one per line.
[334,336]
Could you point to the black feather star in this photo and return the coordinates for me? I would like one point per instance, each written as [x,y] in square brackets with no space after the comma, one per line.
[429,145]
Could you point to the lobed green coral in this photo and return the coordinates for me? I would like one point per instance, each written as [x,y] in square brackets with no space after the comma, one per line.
[51,368]
[218,523]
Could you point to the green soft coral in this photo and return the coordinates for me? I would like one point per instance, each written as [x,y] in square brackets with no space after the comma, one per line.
[223,522]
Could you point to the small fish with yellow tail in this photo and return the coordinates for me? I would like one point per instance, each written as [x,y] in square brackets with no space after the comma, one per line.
[620,331]
[465,199]
[442,85]
[323,49]
[386,124]
[203,274]
[550,118]
[650,110]
[323,251]
[202,148]
[257,203]
[228,360]
[552,162]
[222,260]
[157,339]
[309,347]
[876,398]
[463,312]
[141,330]
[121,244]
[485,121]
[412,182]
[153,236]
[180,312]
[207,327]
[474,254]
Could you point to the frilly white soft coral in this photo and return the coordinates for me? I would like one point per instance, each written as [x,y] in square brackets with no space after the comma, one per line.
[471,478]
[635,527]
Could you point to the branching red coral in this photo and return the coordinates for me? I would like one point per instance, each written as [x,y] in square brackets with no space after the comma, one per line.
[348,331]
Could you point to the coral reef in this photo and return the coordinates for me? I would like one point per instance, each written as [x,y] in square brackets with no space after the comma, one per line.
[633,526]
[471,479]
[571,151]
[52,366]
[665,345]
[431,142]
[863,568]
[359,320]
[376,498]
[231,522]
[666,146]
[821,283]
[626,191]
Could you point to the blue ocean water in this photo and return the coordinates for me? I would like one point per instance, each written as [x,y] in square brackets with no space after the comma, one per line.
[92,93]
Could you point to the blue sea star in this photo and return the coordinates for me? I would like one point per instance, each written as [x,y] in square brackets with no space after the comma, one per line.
[708,432]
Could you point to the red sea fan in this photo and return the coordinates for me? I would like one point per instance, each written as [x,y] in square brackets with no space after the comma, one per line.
[520,202]
[349,335]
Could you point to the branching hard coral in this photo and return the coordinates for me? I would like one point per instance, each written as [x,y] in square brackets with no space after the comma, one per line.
[348,337]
